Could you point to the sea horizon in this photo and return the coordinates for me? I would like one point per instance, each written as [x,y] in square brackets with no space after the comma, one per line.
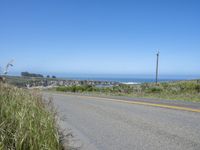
[123,78]
[136,79]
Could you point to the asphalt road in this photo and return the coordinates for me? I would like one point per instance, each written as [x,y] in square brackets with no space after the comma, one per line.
[103,124]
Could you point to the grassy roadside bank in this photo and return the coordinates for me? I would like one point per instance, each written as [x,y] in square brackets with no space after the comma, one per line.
[25,122]
[180,90]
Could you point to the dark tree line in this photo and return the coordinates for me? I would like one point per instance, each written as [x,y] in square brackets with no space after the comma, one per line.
[27,74]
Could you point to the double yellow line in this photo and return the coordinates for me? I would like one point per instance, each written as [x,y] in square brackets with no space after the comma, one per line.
[146,104]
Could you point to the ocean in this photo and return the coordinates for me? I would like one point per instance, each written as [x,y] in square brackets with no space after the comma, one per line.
[132,80]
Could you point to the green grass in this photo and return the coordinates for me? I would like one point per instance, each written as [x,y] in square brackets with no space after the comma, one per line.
[180,90]
[25,121]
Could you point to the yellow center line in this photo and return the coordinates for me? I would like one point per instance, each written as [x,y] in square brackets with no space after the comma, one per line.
[146,104]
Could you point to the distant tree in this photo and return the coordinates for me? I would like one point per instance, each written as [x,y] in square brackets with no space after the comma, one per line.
[48,76]
[54,77]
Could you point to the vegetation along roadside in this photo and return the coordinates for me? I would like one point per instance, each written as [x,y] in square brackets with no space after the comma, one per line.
[26,121]
[179,90]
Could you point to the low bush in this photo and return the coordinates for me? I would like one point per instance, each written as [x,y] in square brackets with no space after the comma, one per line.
[154,89]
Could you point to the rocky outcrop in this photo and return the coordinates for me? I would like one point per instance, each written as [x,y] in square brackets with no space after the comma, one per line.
[2,80]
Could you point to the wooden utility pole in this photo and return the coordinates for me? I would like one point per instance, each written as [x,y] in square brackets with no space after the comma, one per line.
[157,62]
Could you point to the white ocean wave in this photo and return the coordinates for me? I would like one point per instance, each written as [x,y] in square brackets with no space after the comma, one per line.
[131,83]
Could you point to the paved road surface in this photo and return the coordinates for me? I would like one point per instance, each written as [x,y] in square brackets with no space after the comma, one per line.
[109,125]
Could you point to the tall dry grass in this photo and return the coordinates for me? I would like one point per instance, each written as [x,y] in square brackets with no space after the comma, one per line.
[25,121]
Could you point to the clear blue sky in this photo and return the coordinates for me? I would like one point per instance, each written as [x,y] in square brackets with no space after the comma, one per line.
[101,36]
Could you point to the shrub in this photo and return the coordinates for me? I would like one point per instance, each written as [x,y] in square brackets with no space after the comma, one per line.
[197,88]
[61,88]
[154,89]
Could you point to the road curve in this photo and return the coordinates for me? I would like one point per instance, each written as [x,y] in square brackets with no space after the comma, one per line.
[111,125]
